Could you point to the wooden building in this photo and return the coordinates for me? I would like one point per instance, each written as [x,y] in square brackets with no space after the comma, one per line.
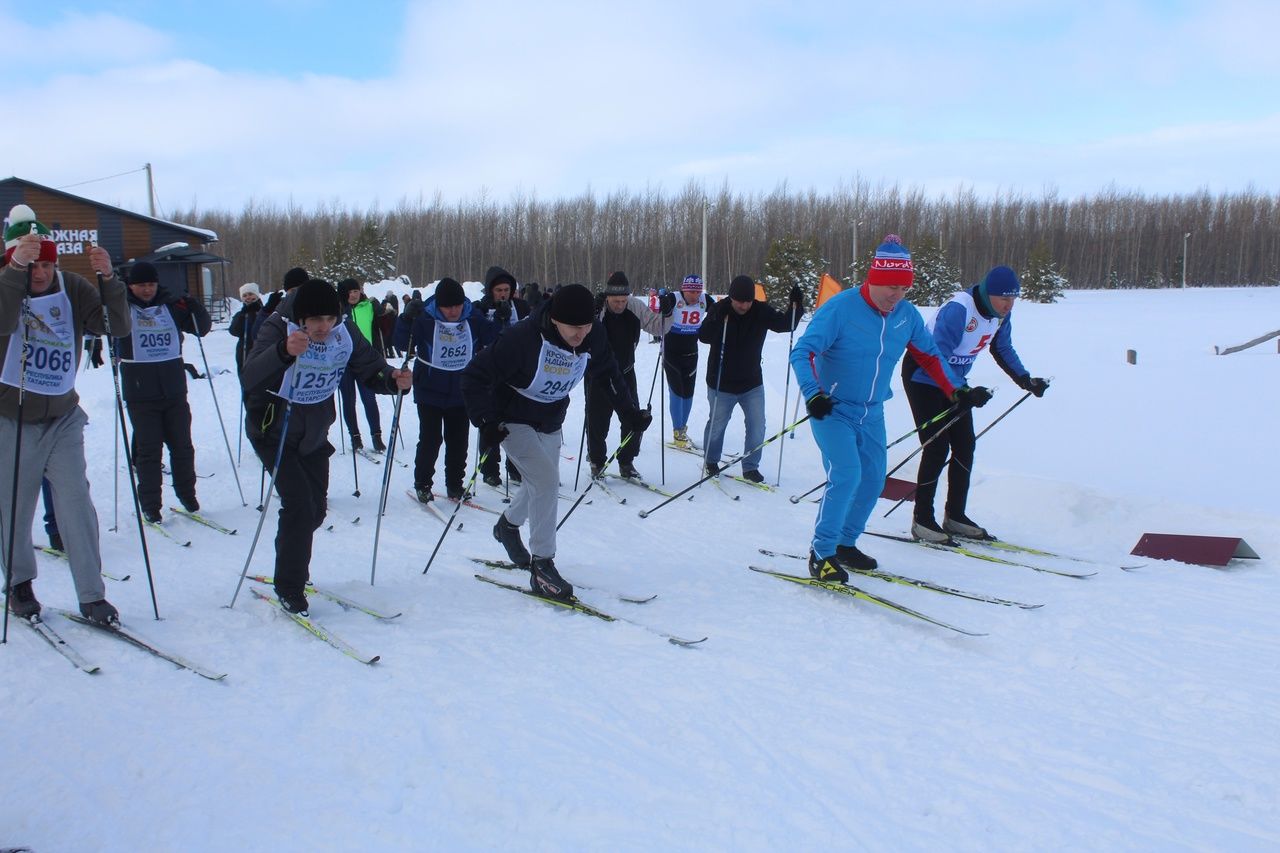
[178,251]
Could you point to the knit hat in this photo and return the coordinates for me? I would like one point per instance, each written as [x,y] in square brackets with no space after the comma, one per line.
[20,222]
[295,277]
[345,287]
[891,267]
[143,273]
[315,298]
[1001,281]
[449,293]
[250,287]
[573,305]
[692,284]
[617,285]
[742,289]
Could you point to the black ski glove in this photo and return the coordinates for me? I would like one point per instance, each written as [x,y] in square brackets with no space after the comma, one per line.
[819,405]
[415,308]
[492,433]
[641,420]
[796,298]
[1034,384]
[975,397]
[666,304]
[502,311]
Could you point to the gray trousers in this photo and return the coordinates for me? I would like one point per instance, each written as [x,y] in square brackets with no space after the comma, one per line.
[52,449]
[536,456]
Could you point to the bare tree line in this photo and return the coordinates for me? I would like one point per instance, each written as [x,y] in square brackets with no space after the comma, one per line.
[1111,239]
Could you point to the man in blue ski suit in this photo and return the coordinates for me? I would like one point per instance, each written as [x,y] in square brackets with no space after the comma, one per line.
[971,321]
[843,364]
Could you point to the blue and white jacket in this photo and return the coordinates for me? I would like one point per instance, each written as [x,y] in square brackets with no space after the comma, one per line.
[962,330]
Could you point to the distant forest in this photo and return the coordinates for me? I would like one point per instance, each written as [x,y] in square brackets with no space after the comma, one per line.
[1114,238]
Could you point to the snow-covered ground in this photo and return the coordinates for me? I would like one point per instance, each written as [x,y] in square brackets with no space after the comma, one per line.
[1135,710]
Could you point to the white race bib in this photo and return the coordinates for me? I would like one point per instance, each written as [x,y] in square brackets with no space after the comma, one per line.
[51,347]
[688,318]
[978,331]
[559,371]
[450,346]
[314,375]
[155,334]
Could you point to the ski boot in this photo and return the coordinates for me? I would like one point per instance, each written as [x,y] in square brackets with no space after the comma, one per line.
[189,503]
[753,476]
[378,446]
[100,612]
[493,480]
[293,602]
[423,494]
[712,469]
[152,516]
[927,530]
[22,601]
[854,559]
[627,470]
[596,468]
[680,437]
[509,535]
[546,581]
[826,569]
[962,525]
[356,442]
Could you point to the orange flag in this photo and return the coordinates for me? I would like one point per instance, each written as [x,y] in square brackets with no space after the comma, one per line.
[760,297]
[827,289]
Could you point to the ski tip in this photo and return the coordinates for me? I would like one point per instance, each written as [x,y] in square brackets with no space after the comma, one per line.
[371,661]
[683,643]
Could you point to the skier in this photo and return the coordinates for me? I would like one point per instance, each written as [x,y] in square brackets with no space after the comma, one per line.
[61,307]
[736,330]
[154,386]
[290,376]
[843,363]
[971,321]
[623,316]
[244,325]
[362,312]
[446,335]
[680,355]
[502,307]
[517,391]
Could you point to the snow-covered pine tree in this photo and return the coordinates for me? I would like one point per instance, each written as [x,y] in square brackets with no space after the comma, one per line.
[936,280]
[370,256]
[792,261]
[1041,281]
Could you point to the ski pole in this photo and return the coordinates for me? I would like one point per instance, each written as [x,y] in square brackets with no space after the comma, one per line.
[355,470]
[124,440]
[645,513]
[592,481]
[795,499]
[262,515]
[457,506]
[262,481]
[386,478]
[240,433]
[17,451]
[662,406]
[208,374]
[912,493]
[582,442]
[115,496]
[786,392]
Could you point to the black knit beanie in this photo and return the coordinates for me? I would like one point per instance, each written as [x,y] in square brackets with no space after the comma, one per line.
[573,305]
[449,293]
[316,298]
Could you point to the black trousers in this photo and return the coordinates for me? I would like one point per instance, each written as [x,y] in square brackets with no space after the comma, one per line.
[303,486]
[600,409]
[437,425]
[347,391]
[958,442]
[681,368]
[155,425]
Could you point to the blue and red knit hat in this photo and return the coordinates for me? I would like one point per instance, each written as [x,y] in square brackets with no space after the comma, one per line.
[692,284]
[891,266]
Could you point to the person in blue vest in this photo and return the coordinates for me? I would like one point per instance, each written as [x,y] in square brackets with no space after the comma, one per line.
[445,335]
[290,376]
[154,386]
[843,364]
[973,320]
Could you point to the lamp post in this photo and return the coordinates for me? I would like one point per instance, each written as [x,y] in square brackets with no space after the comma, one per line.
[855,243]
[1185,237]
[705,206]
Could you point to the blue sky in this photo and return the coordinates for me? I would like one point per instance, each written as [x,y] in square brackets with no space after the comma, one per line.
[308,102]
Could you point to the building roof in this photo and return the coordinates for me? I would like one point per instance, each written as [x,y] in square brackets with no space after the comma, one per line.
[202,234]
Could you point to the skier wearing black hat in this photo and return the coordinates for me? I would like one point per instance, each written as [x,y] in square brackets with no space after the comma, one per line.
[154,386]
[502,307]
[623,317]
[446,335]
[362,313]
[736,328]
[290,376]
[517,392]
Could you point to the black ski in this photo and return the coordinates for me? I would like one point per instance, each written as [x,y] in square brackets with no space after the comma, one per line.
[855,592]
[123,633]
[507,565]
[581,607]
[919,583]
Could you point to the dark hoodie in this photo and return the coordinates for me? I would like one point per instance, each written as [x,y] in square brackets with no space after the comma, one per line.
[156,381]
[489,383]
[431,385]
[485,305]
[264,371]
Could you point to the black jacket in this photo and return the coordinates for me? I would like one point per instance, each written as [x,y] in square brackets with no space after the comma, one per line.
[490,381]
[244,326]
[743,343]
[264,371]
[160,380]
[485,304]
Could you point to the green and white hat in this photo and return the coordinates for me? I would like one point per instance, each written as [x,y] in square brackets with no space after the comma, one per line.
[21,221]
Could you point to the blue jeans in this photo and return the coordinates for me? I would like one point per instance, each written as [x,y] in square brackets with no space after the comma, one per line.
[722,403]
